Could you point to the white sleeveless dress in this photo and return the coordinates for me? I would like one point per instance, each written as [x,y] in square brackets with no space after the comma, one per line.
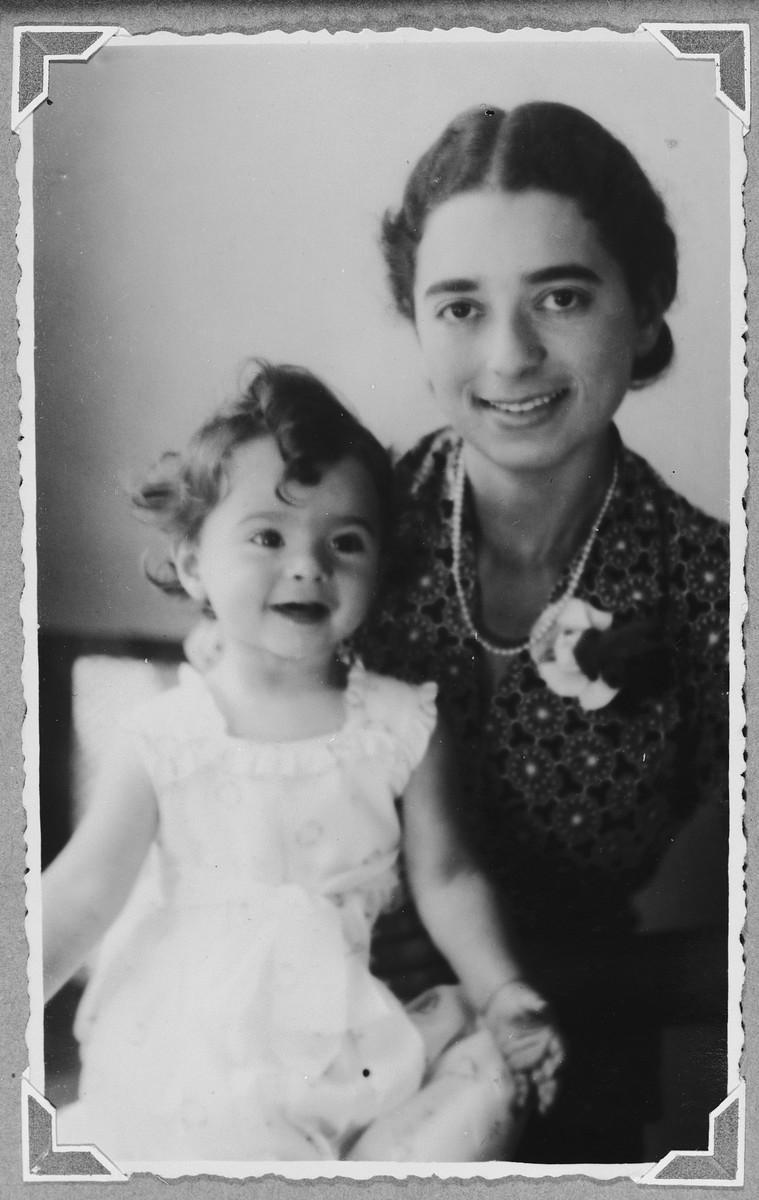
[231,1013]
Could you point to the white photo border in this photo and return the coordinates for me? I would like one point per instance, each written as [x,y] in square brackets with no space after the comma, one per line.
[22,125]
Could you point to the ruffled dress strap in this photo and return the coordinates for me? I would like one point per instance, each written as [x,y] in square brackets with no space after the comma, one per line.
[183,729]
[405,713]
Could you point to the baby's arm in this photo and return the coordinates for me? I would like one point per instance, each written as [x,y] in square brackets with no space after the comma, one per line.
[464,918]
[87,884]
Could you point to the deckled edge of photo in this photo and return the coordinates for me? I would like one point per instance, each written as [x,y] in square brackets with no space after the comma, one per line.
[30,744]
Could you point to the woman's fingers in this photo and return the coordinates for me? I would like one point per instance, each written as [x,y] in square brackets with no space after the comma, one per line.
[525,1058]
[522,1088]
[538,1040]
[546,1093]
[556,1053]
[517,1001]
[541,1054]
[538,1079]
[528,1022]
[549,1065]
[527,1084]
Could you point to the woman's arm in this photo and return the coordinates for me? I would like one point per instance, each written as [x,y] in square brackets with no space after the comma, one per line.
[455,901]
[464,918]
[87,884]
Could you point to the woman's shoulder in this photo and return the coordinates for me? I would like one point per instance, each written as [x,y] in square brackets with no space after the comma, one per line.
[424,487]
[427,460]
[653,500]
[686,551]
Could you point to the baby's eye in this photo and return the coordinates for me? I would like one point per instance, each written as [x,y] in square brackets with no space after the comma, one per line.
[349,543]
[352,541]
[458,311]
[563,300]
[270,539]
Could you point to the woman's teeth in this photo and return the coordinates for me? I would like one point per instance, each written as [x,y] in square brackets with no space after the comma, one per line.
[525,406]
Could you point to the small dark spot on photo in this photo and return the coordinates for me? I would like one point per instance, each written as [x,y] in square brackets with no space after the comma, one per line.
[366,1072]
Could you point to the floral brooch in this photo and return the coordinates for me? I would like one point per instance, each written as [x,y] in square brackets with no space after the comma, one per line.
[585,655]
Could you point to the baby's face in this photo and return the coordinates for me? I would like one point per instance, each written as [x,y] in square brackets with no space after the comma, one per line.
[289,577]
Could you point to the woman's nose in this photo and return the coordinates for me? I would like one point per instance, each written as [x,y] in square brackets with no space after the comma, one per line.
[514,344]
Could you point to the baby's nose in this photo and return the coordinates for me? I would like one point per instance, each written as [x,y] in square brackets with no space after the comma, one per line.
[308,564]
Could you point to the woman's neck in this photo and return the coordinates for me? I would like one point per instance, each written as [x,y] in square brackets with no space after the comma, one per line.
[537,520]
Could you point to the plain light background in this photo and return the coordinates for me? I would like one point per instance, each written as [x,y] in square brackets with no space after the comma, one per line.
[199,204]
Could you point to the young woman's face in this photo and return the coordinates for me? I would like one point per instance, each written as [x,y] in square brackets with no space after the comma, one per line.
[288,580]
[526,325]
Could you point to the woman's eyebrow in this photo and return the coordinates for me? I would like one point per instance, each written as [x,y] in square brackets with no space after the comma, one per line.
[550,274]
[563,271]
[452,285]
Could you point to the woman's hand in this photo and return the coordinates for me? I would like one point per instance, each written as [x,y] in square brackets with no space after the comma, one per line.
[521,1023]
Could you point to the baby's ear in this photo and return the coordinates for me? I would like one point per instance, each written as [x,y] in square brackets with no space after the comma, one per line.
[185,555]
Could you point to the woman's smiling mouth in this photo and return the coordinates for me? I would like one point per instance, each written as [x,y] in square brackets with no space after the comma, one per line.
[530,404]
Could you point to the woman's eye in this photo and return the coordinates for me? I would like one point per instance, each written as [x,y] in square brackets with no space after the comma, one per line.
[563,300]
[349,543]
[459,310]
[270,539]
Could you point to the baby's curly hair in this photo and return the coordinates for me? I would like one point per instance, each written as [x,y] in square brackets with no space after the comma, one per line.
[311,429]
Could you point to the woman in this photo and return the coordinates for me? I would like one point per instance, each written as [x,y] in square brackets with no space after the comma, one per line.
[572,608]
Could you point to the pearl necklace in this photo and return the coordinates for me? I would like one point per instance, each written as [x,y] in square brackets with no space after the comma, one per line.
[552,612]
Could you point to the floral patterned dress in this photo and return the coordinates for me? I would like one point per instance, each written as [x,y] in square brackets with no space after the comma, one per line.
[572,800]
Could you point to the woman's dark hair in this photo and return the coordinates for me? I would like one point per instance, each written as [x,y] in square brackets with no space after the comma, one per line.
[554,148]
[311,429]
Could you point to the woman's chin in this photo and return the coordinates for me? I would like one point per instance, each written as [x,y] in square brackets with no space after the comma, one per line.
[516,446]
[541,440]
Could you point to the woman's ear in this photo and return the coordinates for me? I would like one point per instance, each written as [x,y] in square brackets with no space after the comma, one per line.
[185,555]
[650,320]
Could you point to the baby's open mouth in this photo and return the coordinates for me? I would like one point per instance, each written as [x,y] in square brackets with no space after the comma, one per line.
[531,404]
[302,613]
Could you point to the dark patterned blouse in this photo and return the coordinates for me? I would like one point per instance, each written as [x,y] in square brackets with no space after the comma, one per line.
[571,808]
